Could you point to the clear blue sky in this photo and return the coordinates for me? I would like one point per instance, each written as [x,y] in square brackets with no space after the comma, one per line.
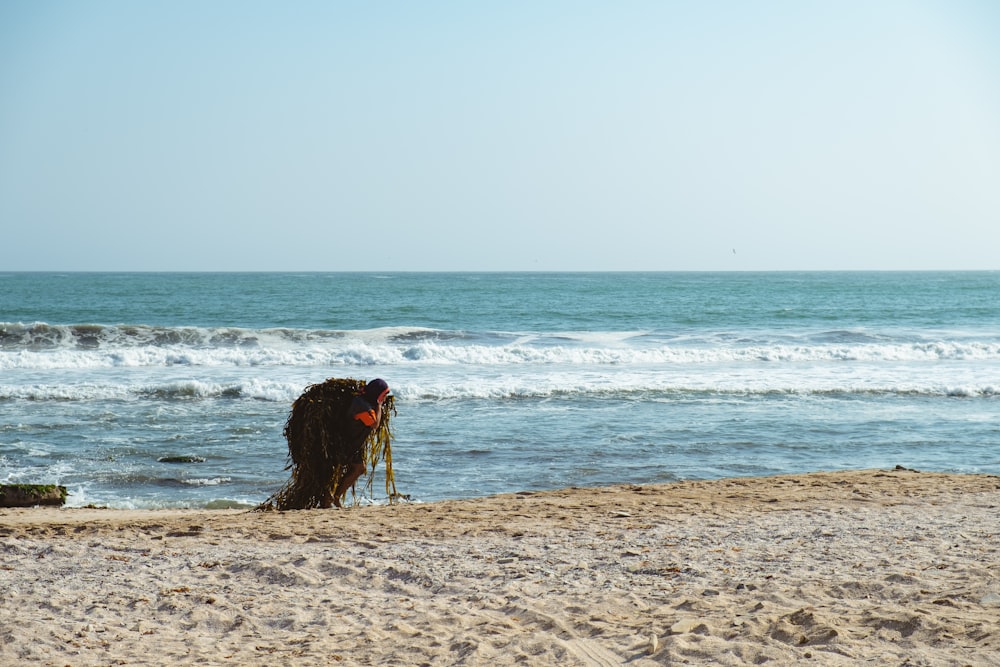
[507,135]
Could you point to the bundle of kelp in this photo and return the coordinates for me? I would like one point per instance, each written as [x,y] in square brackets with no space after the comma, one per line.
[317,453]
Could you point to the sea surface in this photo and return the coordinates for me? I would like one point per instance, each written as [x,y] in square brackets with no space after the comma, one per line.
[503,382]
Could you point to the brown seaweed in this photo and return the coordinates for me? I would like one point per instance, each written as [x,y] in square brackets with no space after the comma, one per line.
[317,452]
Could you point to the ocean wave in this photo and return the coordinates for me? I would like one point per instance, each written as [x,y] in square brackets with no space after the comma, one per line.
[506,388]
[41,336]
[46,347]
[261,390]
[357,352]
[695,392]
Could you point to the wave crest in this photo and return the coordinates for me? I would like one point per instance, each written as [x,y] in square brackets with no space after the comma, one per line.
[43,346]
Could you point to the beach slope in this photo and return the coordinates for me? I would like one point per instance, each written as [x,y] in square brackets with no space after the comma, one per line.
[842,568]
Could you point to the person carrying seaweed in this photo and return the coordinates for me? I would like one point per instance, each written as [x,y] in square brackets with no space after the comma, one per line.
[361,419]
[335,430]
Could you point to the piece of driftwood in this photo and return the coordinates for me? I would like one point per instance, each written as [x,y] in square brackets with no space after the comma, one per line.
[29,495]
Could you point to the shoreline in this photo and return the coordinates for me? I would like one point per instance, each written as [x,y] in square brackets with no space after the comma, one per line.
[887,566]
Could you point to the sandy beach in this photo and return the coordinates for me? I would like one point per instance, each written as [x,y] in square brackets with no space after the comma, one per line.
[892,567]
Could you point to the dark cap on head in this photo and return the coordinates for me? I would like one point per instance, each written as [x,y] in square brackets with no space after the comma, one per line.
[375,390]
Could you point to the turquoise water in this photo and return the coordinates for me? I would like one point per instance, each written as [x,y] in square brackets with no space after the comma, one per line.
[503,381]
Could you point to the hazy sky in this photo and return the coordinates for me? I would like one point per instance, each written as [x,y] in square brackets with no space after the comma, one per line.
[506,135]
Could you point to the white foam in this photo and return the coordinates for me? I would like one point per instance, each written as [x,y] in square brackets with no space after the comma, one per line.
[266,390]
[275,364]
[353,352]
[214,481]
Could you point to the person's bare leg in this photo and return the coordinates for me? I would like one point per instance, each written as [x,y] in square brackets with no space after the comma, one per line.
[346,482]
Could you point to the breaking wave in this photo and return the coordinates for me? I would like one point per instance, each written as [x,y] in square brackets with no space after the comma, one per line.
[558,386]
[43,346]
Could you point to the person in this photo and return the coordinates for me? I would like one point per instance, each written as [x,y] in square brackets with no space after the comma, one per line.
[362,418]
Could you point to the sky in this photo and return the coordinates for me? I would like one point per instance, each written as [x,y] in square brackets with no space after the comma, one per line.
[576,135]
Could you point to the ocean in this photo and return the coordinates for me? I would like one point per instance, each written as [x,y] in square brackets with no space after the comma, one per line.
[503,382]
